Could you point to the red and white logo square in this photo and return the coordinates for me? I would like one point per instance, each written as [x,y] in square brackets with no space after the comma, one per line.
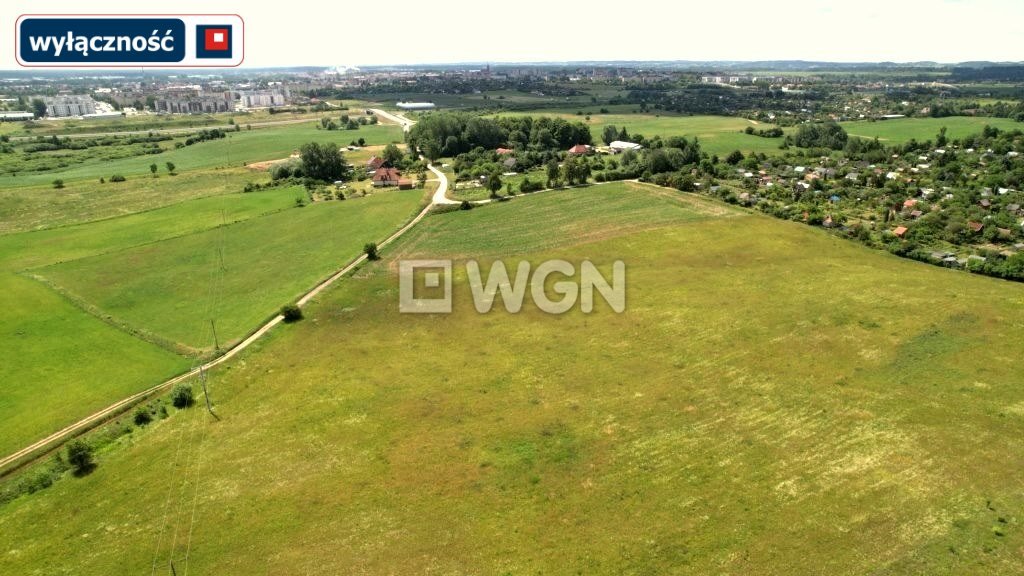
[217,39]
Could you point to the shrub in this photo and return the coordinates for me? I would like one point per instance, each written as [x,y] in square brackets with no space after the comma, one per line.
[465,205]
[80,456]
[142,417]
[117,178]
[291,313]
[371,251]
[58,183]
[182,397]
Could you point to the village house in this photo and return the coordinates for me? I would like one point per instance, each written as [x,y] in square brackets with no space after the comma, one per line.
[579,149]
[386,177]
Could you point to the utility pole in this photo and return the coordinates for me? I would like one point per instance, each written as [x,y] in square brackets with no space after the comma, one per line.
[216,343]
[206,393]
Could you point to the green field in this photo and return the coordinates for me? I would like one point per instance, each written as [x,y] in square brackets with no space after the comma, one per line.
[717,134]
[902,129]
[67,362]
[236,149]
[158,288]
[868,421]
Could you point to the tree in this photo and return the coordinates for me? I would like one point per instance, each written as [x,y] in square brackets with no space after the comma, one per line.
[182,397]
[370,249]
[609,134]
[494,183]
[38,107]
[392,155]
[552,171]
[58,183]
[323,162]
[152,169]
[825,135]
[170,167]
[291,313]
[80,456]
[734,157]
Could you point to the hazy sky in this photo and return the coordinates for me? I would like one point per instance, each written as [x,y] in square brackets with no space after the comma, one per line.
[406,32]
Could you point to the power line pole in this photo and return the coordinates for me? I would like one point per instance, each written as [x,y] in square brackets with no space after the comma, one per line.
[216,343]
[206,393]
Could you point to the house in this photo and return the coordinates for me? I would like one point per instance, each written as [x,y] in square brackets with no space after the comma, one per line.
[985,203]
[900,231]
[404,184]
[916,214]
[385,177]
[976,226]
[509,163]
[909,203]
[503,151]
[579,149]
[374,162]
[620,146]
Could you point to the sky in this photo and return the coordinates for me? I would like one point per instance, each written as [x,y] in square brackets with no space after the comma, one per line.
[451,31]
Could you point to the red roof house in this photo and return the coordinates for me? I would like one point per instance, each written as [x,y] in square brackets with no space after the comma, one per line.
[386,177]
[975,226]
[504,151]
[900,231]
[374,162]
[579,149]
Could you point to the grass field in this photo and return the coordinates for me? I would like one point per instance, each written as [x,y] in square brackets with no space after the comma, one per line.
[868,422]
[162,289]
[717,134]
[235,150]
[64,363]
[903,129]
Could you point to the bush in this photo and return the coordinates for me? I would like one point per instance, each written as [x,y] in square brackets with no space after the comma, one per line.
[291,313]
[465,205]
[371,251]
[142,417]
[58,183]
[80,456]
[182,397]
[117,178]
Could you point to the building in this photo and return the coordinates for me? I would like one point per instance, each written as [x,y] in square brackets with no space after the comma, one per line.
[415,105]
[404,184]
[16,116]
[579,149]
[374,163]
[194,102]
[64,106]
[386,177]
[620,146]
[262,98]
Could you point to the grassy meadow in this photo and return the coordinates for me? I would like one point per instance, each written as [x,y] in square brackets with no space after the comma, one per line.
[236,149]
[902,129]
[869,422]
[70,356]
[159,288]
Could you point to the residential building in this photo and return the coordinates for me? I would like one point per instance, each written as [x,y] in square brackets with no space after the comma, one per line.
[64,106]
